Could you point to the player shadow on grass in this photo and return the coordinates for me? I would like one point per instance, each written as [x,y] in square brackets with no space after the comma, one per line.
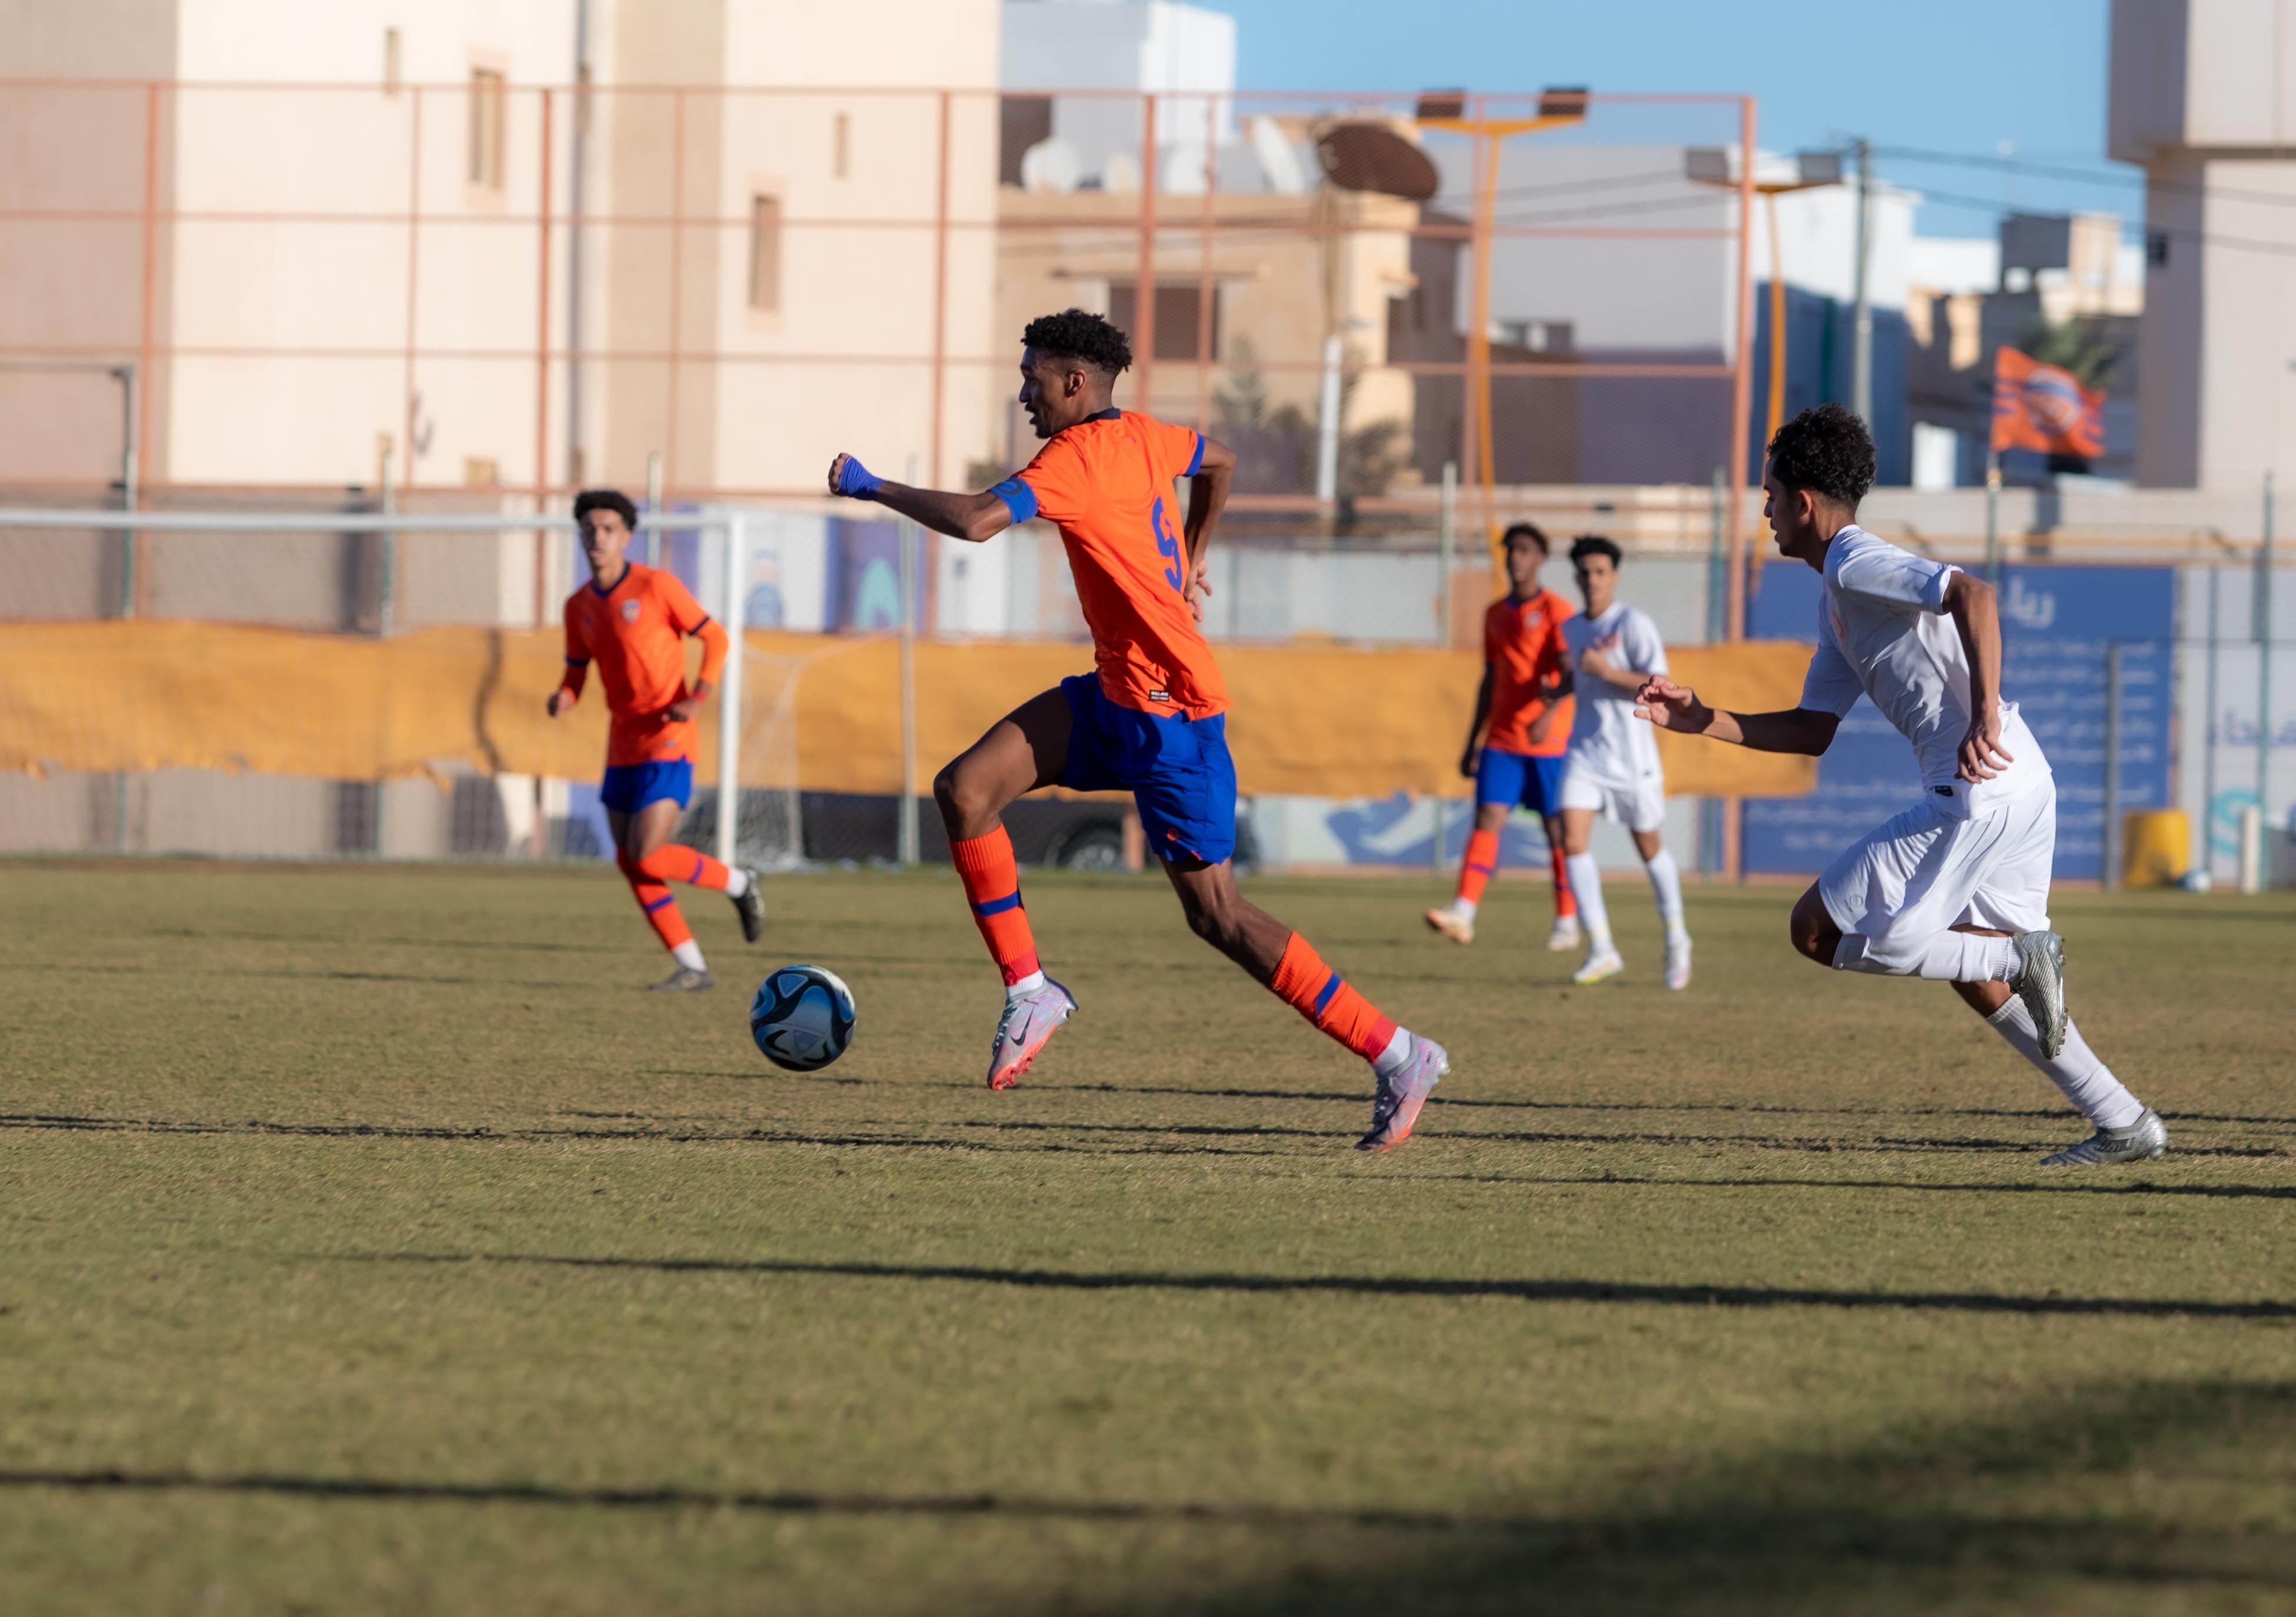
[1935,1514]
[1690,1295]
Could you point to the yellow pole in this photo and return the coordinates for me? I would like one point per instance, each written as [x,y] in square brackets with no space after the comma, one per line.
[1777,417]
[1480,342]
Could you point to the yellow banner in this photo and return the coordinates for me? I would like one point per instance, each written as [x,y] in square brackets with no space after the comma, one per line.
[819,712]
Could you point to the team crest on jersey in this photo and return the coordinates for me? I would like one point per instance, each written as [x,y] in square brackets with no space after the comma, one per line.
[630,611]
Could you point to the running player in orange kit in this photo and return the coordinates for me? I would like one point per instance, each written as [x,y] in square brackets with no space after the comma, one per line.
[1526,696]
[1152,719]
[632,621]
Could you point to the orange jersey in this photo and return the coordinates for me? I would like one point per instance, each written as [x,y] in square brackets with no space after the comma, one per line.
[1106,483]
[1523,643]
[636,633]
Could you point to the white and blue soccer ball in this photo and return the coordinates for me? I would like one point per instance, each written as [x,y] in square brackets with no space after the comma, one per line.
[802,1017]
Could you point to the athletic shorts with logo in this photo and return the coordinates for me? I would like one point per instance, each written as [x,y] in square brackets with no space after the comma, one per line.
[1926,872]
[1177,769]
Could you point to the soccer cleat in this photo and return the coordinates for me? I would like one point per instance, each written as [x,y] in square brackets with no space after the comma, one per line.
[2140,1142]
[1678,961]
[1396,1107]
[1565,936]
[1452,924]
[1027,1023]
[2041,985]
[685,980]
[752,907]
[1602,964]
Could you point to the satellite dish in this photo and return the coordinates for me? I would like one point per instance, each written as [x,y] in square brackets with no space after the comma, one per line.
[1121,172]
[1051,165]
[1373,157]
[1182,173]
[1278,160]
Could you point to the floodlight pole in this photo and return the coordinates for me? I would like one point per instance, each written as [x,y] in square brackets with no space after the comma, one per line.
[1861,348]
[1490,133]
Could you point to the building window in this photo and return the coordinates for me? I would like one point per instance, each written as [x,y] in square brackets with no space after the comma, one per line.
[766,252]
[1179,304]
[489,115]
[841,147]
[1022,120]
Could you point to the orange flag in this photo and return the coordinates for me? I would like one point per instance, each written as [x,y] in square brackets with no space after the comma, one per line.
[2040,406]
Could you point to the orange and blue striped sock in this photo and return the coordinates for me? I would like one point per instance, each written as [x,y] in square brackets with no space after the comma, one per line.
[1565,905]
[676,862]
[1317,992]
[654,899]
[992,887]
[1482,857]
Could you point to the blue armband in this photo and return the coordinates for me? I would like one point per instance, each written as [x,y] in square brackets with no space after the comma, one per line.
[1019,499]
[855,480]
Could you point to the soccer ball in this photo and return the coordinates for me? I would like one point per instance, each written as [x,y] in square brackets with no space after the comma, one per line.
[802,1017]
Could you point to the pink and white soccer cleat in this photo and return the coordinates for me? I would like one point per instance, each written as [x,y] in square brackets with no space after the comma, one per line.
[1452,924]
[1027,1023]
[1396,1107]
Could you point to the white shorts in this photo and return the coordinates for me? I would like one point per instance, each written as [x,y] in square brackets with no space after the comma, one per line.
[1923,873]
[1637,805]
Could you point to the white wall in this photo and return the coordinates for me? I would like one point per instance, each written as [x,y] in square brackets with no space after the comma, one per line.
[1123,44]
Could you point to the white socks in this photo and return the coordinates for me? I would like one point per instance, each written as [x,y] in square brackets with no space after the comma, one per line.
[1948,957]
[1586,887]
[1464,908]
[737,881]
[1397,1057]
[2087,1082]
[1028,985]
[688,954]
[1665,881]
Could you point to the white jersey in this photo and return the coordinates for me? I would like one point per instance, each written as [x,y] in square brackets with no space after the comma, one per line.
[1608,744]
[1883,631]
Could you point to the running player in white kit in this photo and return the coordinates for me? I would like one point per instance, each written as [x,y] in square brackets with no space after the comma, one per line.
[1611,768]
[1957,887]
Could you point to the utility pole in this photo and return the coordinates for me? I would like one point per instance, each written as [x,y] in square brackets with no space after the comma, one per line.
[1861,347]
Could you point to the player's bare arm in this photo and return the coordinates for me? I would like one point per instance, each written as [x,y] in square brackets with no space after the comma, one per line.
[1206,499]
[972,517]
[1673,707]
[1467,758]
[1976,614]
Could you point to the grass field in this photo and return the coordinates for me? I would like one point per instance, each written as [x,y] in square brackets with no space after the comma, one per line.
[372,1244]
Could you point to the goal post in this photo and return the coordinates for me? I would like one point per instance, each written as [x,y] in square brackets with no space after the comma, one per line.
[327,684]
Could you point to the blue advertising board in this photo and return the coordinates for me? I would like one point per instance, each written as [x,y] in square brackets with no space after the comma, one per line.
[2056,623]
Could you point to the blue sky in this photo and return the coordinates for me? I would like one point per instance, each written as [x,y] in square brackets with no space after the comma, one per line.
[1950,76]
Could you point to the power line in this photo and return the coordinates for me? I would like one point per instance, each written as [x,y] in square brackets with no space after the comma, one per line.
[2175,233]
[2141,180]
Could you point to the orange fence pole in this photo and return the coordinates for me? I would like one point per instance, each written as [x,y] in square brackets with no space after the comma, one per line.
[1205,268]
[940,301]
[1144,296]
[147,334]
[542,318]
[676,282]
[413,280]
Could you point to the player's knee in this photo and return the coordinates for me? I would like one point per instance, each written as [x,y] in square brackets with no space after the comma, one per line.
[957,799]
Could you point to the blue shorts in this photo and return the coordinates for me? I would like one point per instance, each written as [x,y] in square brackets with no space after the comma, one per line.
[1535,784]
[1177,769]
[630,787]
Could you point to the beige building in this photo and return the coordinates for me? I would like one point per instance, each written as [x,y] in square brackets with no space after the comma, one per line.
[2203,96]
[1286,271]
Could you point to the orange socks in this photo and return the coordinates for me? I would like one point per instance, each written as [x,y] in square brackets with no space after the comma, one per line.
[992,886]
[1482,859]
[654,899]
[1309,987]
[1565,905]
[674,862]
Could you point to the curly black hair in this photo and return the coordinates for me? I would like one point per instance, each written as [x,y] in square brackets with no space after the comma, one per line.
[1595,544]
[1826,451]
[606,499]
[1529,530]
[1079,334]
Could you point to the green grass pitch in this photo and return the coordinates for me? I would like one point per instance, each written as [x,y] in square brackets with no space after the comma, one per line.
[372,1244]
